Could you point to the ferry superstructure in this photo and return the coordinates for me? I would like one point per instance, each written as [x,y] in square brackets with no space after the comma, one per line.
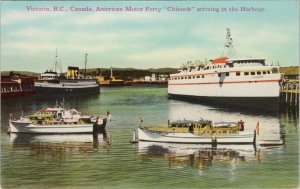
[234,81]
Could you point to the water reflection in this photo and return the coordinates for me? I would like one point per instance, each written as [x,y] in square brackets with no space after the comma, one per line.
[24,138]
[198,156]
[56,148]
[77,163]
[205,156]
[289,115]
[225,106]
[269,124]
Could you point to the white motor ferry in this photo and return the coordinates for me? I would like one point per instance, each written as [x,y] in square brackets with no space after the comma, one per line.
[247,82]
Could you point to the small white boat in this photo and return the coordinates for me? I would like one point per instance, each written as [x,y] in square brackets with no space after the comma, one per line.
[56,120]
[196,132]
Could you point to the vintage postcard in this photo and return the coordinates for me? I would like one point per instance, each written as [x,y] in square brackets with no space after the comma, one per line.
[149,94]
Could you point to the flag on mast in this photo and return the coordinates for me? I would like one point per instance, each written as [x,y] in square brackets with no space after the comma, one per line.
[257,128]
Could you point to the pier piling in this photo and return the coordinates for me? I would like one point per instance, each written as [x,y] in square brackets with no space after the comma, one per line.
[290,93]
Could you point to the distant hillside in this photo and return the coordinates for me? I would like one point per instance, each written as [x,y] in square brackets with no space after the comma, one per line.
[152,70]
[292,70]
[31,74]
[132,73]
[163,70]
[121,73]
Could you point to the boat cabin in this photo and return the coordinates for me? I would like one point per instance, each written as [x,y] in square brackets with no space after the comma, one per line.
[40,117]
[49,75]
[189,123]
[201,127]
[247,62]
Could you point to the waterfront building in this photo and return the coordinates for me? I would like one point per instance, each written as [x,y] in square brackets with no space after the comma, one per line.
[16,86]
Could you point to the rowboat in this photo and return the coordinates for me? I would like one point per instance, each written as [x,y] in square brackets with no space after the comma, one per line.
[196,132]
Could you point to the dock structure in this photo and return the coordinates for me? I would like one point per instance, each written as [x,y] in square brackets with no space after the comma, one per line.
[290,86]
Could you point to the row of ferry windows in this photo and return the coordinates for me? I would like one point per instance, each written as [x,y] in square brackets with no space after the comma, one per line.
[248,73]
[227,74]
[214,67]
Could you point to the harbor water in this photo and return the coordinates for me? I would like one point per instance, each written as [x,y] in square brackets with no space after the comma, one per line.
[74,161]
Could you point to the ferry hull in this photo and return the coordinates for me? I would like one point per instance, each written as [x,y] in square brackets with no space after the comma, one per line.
[65,90]
[262,103]
[247,137]
[254,91]
[22,127]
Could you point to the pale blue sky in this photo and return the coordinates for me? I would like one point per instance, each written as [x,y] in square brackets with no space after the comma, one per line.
[144,39]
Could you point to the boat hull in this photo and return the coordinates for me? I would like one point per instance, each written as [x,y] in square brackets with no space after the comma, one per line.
[67,90]
[23,127]
[245,137]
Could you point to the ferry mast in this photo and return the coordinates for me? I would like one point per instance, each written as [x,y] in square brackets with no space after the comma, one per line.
[56,64]
[229,50]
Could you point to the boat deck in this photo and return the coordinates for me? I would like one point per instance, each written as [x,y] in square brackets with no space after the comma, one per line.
[194,130]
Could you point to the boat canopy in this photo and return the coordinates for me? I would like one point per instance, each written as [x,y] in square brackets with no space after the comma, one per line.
[41,115]
[201,121]
[48,110]
[182,122]
[220,60]
[225,124]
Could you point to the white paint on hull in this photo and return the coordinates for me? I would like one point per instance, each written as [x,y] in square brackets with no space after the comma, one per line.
[245,137]
[23,127]
[266,86]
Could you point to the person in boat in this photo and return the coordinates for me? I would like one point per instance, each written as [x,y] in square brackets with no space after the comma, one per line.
[11,116]
[241,125]
[99,127]
[108,115]
[96,130]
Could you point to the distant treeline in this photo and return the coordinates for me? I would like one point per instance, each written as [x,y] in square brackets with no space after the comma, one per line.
[25,73]
[129,73]
[125,74]
[120,73]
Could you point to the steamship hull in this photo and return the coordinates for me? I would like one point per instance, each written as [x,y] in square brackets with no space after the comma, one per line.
[72,88]
[68,90]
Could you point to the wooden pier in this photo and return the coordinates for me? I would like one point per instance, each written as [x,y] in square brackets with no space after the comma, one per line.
[290,94]
[290,87]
